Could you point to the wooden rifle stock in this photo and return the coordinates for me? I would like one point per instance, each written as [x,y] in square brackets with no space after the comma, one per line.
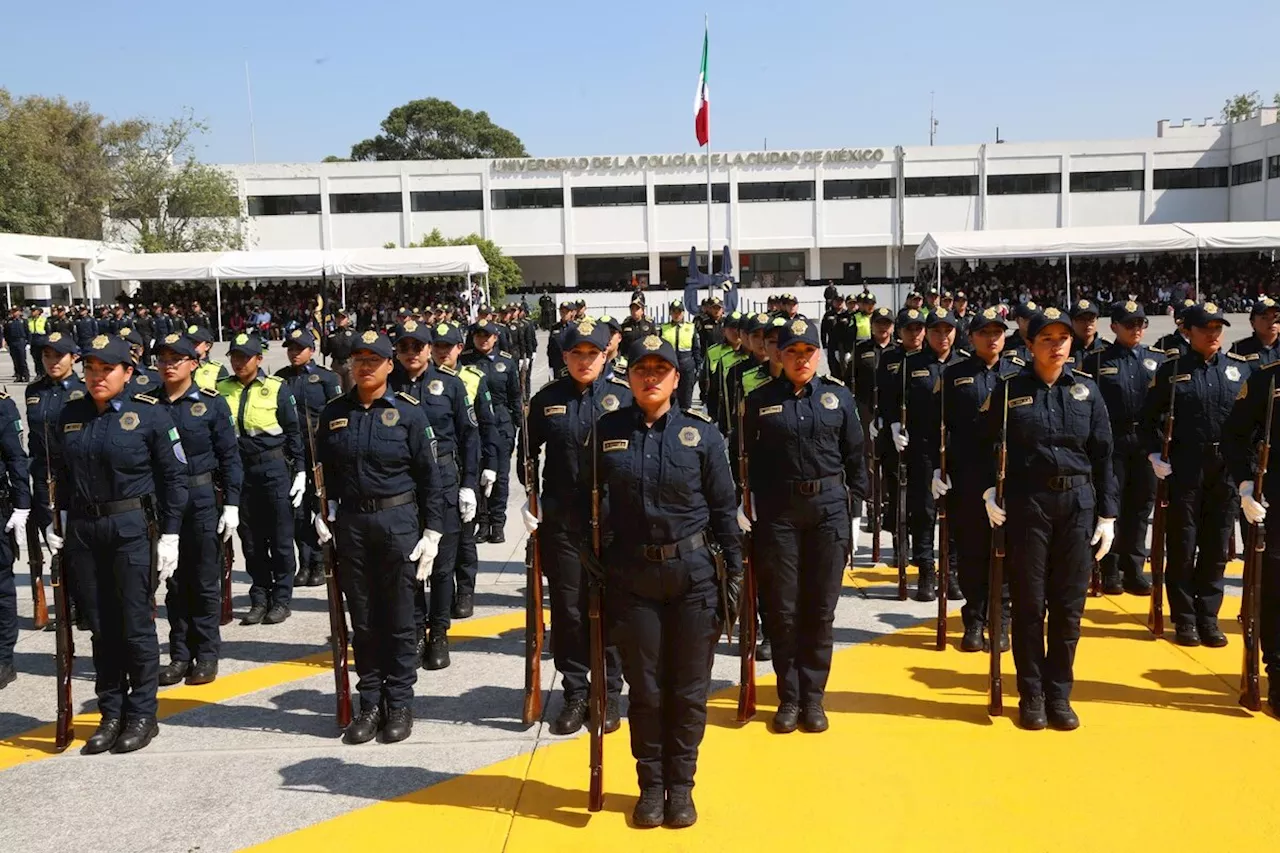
[877,484]
[339,641]
[597,698]
[995,579]
[900,525]
[533,625]
[1095,576]
[1155,617]
[35,558]
[944,531]
[64,640]
[747,617]
[228,553]
[1250,605]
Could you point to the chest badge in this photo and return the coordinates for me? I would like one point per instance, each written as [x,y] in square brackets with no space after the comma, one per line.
[314,377]
[609,403]
[689,436]
[75,395]
[198,408]
[141,380]
[390,417]
[1233,373]
[1149,363]
[1080,392]
[829,401]
[435,387]
[501,367]
[129,421]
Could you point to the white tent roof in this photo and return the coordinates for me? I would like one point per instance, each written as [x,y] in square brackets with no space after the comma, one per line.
[15,269]
[280,263]
[1056,242]
[1225,236]
[291,263]
[440,260]
[159,266]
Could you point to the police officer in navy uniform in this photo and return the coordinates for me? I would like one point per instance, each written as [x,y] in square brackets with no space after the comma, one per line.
[665,477]
[1059,503]
[910,325]
[555,345]
[637,326]
[122,468]
[338,347]
[145,380]
[312,386]
[86,328]
[15,508]
[561,418]
[966,385]
[209,372]
[1263,345]
[17,338]
[683,337]
[194,599]
[502,374]
[387,511]
[1177,342]
[808,476]
[266,421]
[1123,372]
[1088,343]
[1023,314]
[1203,501]
[443,397]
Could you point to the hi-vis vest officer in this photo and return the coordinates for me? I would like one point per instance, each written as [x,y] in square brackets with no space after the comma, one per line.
[266,420]
[683,337]
[210,372]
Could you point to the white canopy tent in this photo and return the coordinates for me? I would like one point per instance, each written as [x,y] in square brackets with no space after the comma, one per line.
[15,269]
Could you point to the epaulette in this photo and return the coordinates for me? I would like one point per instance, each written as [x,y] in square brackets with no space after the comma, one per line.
[964,353]
[145,398]
[1271,365]
[4,395]
[471,368]
[337,396]
[209,392]
[616,381]
[1173,352]
[446,369]
[505,354]
[696,414]
[831,380]
[1082,373]
[403,396]
[1238,357]
[1253,356]
[1016,360]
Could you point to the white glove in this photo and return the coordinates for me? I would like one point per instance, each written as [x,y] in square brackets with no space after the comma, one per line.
[425,553]
[323,534]
[487,478]
[167,556]
[296,490]
[1104,533]
[467,504]
[1254,511]
[744,520]
[229,522]
[874,429]
[1163,469]
[18,521]
[333,511]
[530,520]
[995,514]
[54,540]
[900,437]
[939,486]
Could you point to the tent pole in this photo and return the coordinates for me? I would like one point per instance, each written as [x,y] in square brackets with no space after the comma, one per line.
[1197,273]
[217,295]
[1068,280]
[342,282]
[8,295]
[938,286]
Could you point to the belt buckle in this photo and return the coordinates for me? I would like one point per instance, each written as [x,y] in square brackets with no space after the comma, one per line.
[810,487]
[368,505]
[1059,483]
[93,510]
[653,553]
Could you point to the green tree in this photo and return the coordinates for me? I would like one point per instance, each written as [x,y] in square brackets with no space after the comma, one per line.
[163,197]
[433,129]
[504,272]
[1239,107]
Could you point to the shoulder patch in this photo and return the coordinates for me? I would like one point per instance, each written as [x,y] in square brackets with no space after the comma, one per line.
[210,392]
[616,381]
[505,354]
[402,396]
[1239,357]
[1173,352]
[448,370]
[831,380]
[145,398]
[1078,372]
[1253,356]
[696,414]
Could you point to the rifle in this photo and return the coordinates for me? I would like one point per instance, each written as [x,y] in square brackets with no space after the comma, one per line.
[35,558]
[227,555]
[944,531]
[533,625]
[64,641]
[1095,576]
[1155,618]
[900,525]
[596,700]
[1250,605]
[995,578]
[747,618]
[876,483]
[338,639]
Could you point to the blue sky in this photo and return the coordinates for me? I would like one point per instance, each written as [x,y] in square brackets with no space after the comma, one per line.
[575,78]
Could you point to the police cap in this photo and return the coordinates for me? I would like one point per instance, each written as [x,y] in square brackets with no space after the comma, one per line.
[797,331]
[1123,312]
[908,316]
[61,344]
[609,321]
[130,334]
[446,334]
[246,343]
[300,338]
[586,332]
[374,342]
[941,317]
[989,316]
[1026,310]
[109,349]
[677,305]
[180,344]
[1203,315]
[414,331]
[1046,318]
[651,345]
[1085,307]
[1262,306]
[882,315]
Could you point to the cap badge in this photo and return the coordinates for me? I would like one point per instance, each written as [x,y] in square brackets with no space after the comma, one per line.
[990,313]
[653,342]
[799,327]
[369,337]
[410,325]
[99,342]
[1131,307]
[1082,304]
[1210,308]
[1052,313]
[242,339]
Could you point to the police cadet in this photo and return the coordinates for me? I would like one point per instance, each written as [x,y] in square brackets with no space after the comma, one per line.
[386,507]
[555,348]
[1202,494]
[637,326]
[911,339]
[614,362]
[665,477]
[17,337]
[1179,339]
[122,469]
[1088,344]
[919,440]
[337,346]
[1123,372]
[1020,346]
[720,358]
[208,373]
[1263,345]
[561,417]
[311,386]
[1059,502]
[37,329]
[443,397]
[804,443]
[145,380]
[966,385]
[502,374]
[266,421]
[684,340]
[194,596]
[963,316]
[832,341]
[710,328]
[15,508]
[86,328]
[867,355]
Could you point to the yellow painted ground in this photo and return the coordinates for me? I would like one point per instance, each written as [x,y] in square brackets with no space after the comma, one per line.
[37,743]
[912,762]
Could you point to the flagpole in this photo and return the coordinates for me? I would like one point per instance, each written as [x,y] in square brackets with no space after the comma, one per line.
[710,247]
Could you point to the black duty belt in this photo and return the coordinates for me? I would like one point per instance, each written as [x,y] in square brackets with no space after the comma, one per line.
[1067,483]
[200,479]
[273,453]
[102,510]
[812,487]
[659,553]
[368,505]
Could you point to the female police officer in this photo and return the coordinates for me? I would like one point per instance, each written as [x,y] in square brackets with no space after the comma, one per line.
[379,457]
[665,476]
[1059,481]
[121,462]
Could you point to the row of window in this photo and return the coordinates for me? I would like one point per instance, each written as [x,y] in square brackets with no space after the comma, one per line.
[1246,173]
[1273,166]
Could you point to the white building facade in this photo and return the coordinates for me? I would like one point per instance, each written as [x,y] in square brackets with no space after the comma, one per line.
[844,214]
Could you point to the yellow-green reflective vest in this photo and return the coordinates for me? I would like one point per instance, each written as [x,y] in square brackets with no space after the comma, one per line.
[680,337]
[863,322]
[753,379]
[36,325]
[471,376]
[260,407]
[206,375]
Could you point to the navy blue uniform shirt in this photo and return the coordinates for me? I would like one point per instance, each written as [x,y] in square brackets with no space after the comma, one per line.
[17,484]
[208,438]
[444,400]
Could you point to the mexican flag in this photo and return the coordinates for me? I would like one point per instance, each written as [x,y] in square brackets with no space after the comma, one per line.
[702,100]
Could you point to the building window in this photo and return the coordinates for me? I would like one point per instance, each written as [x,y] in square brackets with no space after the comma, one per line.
[283,205]
[1246,173]
[943,185]
[609,273]
[777,191]
[1101,182]
[1273,167]
[609,196]
[1189,179]
[690,194]
[865,188]
[769,269]
[1035,184]
[364,202]
[528,199]
[425,200]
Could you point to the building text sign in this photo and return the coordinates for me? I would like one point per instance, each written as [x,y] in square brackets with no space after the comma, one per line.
[660,161]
